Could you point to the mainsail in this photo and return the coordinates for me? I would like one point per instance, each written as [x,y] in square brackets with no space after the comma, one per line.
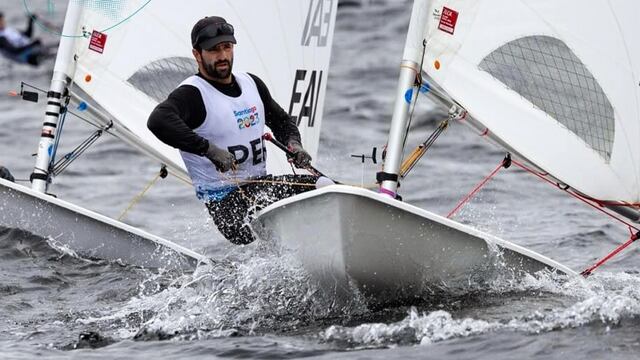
[134,52]
[558,83]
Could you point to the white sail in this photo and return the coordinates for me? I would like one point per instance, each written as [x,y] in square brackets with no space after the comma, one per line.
[557,81]
[147,53]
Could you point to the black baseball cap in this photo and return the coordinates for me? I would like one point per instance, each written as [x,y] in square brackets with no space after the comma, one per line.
[211,31]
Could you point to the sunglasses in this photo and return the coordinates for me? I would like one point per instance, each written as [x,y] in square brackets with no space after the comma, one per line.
[214,31]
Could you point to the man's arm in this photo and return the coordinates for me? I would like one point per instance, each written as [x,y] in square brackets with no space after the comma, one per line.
[174,119]
[29,31]
[283,126]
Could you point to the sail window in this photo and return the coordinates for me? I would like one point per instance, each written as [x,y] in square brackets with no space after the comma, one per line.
[543,70]
[159,78]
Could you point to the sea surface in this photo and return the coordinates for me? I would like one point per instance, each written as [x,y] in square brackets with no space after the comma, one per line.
[254,303]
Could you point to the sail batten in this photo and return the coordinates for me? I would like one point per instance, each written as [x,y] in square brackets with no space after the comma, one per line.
[555,81]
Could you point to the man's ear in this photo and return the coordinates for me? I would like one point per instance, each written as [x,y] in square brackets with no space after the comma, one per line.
[197,55]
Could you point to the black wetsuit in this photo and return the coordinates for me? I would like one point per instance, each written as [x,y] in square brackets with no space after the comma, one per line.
[173,121]
[5,174]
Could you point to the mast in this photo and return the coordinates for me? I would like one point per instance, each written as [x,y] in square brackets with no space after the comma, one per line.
[409,70]
[57,91]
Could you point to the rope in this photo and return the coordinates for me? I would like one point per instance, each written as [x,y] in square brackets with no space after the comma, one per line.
[632,239]
[590,201]
[580,197]
[44,26]
[63,163]
[239,183]
[613,203]
[138,197]
[479,186]
[507,161]
[417,85]
[417,154]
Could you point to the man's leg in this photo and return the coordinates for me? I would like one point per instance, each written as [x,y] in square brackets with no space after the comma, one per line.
[233,214]
[230,216]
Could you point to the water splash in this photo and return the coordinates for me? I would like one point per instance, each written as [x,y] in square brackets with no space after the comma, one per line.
[604,299]
[245,293]
[415,328]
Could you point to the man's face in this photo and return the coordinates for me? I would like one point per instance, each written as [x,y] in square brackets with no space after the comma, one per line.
[216,62]
[2,25]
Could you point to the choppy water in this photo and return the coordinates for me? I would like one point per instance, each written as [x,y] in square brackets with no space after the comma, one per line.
[258,303]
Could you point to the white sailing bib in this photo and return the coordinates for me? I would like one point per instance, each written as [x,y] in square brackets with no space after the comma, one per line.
[15,37]
[235,124]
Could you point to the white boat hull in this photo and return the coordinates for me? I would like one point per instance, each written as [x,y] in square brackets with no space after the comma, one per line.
[89,234]
[392,251]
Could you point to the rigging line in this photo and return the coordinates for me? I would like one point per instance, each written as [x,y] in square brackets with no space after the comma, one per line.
[614,203]
[22,83]
[59,33]
[418,81]
[88,121]
[503,164]
[618,249]
[54,150]
[61,165]
[240,183]
[577,196]
[284,182]
[177,176]
[417,154]
[138,197]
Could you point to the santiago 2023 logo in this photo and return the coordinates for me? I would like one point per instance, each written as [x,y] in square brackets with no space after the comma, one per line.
[247,118]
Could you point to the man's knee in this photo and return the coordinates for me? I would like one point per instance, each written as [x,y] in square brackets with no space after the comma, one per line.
[237,233]
[231,223]
[243,237]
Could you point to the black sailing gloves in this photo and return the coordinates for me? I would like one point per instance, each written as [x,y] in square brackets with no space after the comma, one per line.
[222,159]
[300,158]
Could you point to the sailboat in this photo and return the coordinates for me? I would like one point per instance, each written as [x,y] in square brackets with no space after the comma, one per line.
[554,83]
[117,59]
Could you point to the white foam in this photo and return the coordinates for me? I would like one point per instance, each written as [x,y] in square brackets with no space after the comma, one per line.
[244,292]
[605,298]
[415,328]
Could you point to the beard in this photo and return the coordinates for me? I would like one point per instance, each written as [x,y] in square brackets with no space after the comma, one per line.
[219,74]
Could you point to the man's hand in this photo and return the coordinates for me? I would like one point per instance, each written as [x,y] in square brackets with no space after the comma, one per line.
[222,159]
[301,157]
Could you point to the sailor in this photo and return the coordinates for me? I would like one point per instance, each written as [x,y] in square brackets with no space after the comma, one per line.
[216,119]
[5,174]
[19,46]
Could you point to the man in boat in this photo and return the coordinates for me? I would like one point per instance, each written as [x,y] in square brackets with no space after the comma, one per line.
[19,46]
[5,174]
[216,119]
